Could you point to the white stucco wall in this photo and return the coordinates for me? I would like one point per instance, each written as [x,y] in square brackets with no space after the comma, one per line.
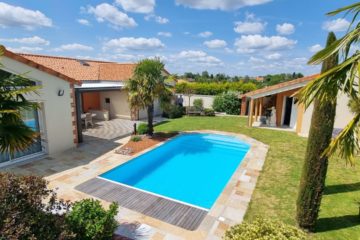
[342,118]
[55,114]
[207,100]
[157,111]
[119,106]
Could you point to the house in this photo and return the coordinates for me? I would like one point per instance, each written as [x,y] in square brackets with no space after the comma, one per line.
[71,87]
[55,121]
[278,103]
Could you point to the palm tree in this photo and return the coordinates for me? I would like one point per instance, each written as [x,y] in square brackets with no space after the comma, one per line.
[315,165]
[146,85]
[14,134]
[344,77]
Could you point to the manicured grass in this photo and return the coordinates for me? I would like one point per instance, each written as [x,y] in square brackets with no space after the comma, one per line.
[276,191]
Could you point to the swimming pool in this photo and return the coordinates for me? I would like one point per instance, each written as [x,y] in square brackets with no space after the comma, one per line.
[192,168]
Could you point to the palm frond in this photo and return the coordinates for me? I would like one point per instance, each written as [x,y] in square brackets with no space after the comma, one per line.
[341,44]
[347,142]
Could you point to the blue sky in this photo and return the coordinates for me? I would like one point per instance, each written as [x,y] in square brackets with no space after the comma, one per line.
[236,37]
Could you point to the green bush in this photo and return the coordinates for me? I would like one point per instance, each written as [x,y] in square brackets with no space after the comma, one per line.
[173,111]
[136,138]
[209,112]
[29,210]
[262,229]
[90,221]
[142,128]
[214,88]
[198,104]
[218,103]
[228,103]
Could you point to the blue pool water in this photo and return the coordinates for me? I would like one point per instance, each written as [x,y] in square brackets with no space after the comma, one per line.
[192,168]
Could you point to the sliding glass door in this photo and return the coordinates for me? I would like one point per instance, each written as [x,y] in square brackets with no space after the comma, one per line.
[31,119]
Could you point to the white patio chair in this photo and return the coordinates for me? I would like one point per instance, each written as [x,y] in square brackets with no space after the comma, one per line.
[88,120]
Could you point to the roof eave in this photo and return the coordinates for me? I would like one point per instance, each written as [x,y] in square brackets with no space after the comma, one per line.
[38,66]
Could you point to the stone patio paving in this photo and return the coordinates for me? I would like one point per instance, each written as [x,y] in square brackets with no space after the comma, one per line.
[67,170]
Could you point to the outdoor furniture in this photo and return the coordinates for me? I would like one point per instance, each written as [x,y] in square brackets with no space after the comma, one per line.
[88,120]
[100,114]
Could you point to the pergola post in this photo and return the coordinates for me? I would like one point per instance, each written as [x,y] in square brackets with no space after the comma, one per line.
[256,109]
[251,112]
[260,107]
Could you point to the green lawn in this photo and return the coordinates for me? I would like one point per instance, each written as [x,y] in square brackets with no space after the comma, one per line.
[276,191]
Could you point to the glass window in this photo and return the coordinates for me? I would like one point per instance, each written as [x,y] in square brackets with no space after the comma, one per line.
[31,119]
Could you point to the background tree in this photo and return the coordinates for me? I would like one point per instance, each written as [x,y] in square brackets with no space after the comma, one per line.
[312,181]
[14,134]
[145,87]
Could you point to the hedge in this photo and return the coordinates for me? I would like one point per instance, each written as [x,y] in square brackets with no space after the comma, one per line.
[214,88]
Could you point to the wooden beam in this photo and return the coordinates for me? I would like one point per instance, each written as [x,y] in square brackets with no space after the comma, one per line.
[251,112]
[261,107]
[256,109]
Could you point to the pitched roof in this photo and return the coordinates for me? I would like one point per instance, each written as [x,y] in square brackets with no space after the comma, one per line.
[36,65]
[84,69]
[296,83]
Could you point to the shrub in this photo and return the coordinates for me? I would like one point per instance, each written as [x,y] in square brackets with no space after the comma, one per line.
[136,138]
[227,102]
[29,210]
[198,104]
[142,128]
[90,221]
[218,104]
[263,229]
[209,112]
[214,88]
[174,111]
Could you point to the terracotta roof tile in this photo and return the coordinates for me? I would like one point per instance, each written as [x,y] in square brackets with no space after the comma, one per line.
[37,65]
[83,69]
[281,85]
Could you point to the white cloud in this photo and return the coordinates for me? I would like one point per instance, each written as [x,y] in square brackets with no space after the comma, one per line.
[199,58]
[205,34]
[138,6]
[273,56]
[14,16]
[83,22]
[216,43]
[285,28]
[337,25]
[251,25]
[251,43]
[35,40]
[256,60]
[158,19]
[164,34]
[73,47]
[228,50]
[106,12]
[315,48]
[227,5]
[130,43]
[25,49]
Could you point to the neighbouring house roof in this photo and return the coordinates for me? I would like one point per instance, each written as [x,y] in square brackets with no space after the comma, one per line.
[281,87]
[37,65]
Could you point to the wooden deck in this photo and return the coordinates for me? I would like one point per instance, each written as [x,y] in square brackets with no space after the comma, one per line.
[172,212]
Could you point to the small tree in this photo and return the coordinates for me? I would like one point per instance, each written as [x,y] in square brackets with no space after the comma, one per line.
[198,104]
[145,87]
